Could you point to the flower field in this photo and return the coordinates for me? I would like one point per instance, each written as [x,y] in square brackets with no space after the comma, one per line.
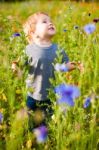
[74,124]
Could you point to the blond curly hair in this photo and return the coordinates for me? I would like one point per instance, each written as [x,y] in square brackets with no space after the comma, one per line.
[29,25]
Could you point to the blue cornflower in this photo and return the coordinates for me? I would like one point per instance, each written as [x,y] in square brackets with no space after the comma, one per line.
[64,30]
[67,93]
[16,34]
[61,67]
[57,67]
[1,117]
[87,102]
[89,28]
[41,133]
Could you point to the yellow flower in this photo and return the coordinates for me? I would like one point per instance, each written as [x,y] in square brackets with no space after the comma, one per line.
[31,89]
[18,91]
[4,97]
[29,144]
[38,116]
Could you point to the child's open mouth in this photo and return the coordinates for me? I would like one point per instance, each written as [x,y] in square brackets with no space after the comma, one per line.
[51,28]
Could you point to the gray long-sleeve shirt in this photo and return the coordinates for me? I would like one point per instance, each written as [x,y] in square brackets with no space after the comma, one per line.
[41,69]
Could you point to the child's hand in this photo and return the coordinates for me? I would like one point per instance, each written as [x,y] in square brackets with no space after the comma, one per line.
[80,66]
[71,65]
[74,65]
[16,69]
[14,66]
[64,67]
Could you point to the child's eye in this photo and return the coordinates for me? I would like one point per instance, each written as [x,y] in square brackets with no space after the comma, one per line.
[44,21]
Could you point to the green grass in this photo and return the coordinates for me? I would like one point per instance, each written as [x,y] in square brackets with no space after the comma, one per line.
[78,128]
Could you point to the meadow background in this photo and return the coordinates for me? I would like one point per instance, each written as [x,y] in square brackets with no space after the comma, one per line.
[71,128]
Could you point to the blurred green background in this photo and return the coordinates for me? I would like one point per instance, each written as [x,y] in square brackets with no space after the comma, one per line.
[50,0]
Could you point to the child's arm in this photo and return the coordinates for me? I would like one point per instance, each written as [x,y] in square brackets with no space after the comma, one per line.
[16,70]
[19,65]
[14,66]
[73,65]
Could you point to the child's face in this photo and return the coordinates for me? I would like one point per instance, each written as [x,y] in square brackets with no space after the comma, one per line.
[44,27]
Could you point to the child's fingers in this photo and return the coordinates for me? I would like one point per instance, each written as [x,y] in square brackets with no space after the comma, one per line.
[81,67]
[14,66]
[14,62]
[79,62]
[73,63]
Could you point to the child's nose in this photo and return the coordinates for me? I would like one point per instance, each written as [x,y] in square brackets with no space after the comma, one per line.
[50,23]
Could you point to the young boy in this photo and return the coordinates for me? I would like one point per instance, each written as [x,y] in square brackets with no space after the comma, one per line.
[41,53]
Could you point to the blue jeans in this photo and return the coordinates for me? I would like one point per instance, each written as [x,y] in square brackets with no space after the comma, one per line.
[43,106]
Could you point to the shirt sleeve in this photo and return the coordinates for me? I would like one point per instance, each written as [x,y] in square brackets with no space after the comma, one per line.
[65,57]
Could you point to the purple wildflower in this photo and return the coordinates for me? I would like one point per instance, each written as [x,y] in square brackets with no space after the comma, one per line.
[1,117]
[16,34]
[89,28]
[61,67]
[67,93]
[41,133]
[87,102]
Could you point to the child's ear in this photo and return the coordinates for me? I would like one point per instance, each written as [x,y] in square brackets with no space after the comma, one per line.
[31,32]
